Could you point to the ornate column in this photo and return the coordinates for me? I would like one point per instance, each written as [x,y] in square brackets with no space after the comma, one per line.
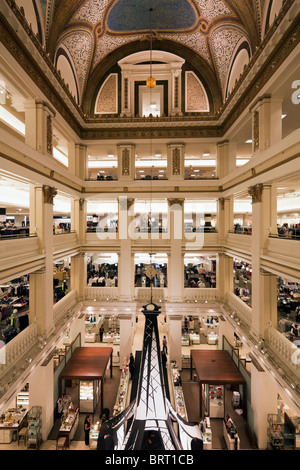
[38,126]
[126,261]
[126,162]
[78,219]
[41,282]
[79,275]
[264,212]
[174,350]
[224,276]
[176,258]
[266,122]
[226,158]
[224,218]
[78,163]
[175,158]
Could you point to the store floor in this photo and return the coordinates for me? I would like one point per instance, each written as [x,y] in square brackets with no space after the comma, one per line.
[190,391]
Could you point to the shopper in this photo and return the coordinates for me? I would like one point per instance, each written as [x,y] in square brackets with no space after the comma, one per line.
[87,427]
[101,331]
[163,358]
[104,415]
[165,347]
[131,365]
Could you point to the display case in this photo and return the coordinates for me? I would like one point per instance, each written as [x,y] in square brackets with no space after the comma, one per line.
[69,422]
[185,340]
[94,434]
[207,439]
[88,393]
[178,392]
[212,338]
[34,434]
[120,403]
[216,401]
[116,338]
[194,338]
[185,361]
[23,398]
[108,337]
[231,435]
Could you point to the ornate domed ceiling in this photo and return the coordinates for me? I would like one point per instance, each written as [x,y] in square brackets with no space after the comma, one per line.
[86,38]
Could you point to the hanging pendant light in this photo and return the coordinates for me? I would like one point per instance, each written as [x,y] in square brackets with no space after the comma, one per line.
[151,82]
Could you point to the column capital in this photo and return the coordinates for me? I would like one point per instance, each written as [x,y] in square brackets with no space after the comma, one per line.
[179,201]
[81,204]
[256,193]
[125,203]
[48,194]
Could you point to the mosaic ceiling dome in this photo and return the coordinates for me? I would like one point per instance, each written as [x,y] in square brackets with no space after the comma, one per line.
[92,35]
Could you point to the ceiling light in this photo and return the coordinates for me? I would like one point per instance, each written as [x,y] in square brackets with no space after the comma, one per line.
[110,155]
[283,116]
[153,106]
[249,141]
[206,154]
[158,154]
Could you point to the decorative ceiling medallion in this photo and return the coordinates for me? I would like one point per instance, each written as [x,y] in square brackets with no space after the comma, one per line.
[129,16]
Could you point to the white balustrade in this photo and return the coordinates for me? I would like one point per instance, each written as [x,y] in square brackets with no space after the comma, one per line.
[143,294]
[17,348]
[284,349]
[243,311]
[101,293]
[63,305]
[201,294]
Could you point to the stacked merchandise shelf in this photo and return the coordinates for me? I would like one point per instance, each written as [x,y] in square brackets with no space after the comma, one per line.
[34,435]
[216,401]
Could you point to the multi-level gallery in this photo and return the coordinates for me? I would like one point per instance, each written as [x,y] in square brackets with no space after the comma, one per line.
[149,224]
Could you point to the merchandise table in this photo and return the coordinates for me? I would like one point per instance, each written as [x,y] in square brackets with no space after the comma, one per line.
[12,421]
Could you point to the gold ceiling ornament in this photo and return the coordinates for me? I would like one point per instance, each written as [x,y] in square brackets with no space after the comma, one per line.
[151,82]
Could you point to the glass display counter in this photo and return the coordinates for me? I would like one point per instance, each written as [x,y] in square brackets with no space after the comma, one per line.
[88,394]
[194,338]
[178,392]
[94,433]
[69,422]
[212,338]
[120,403]
[185,340]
